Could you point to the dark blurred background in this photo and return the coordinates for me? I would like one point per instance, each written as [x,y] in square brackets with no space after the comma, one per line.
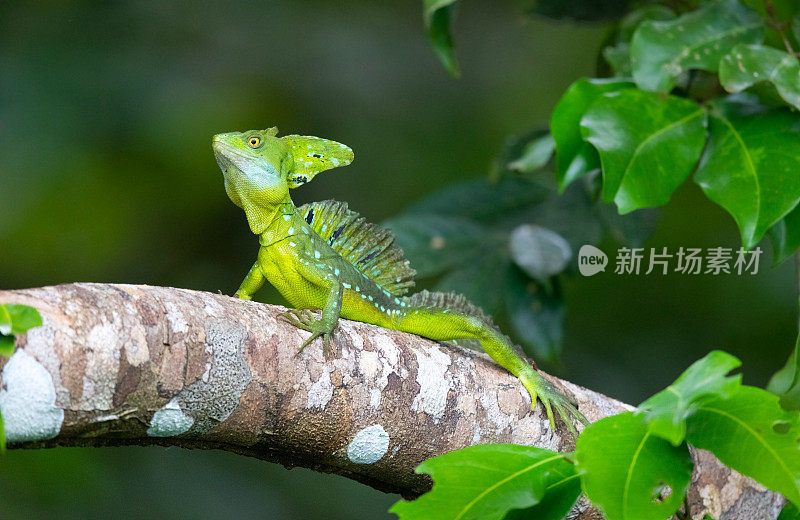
[106,174]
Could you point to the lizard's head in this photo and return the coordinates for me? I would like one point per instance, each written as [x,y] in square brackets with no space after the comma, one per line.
[259,167]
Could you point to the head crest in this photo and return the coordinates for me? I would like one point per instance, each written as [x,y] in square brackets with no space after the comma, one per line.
[313,155]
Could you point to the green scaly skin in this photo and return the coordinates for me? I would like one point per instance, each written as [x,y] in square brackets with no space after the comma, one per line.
[259,169]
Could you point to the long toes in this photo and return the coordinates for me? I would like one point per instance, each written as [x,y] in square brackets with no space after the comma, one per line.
[288,318]
[565,416]
[308,342]
[326,345]
[548,407]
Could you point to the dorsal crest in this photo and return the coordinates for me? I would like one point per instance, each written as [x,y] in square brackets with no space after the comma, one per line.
[368,247]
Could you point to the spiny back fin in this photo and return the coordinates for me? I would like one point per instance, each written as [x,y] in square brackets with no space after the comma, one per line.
[458,304]
[369,248]
[450,301]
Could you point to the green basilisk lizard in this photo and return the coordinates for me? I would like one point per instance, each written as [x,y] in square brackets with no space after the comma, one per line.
[324,256]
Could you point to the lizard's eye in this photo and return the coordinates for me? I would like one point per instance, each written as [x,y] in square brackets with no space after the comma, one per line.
[254,142]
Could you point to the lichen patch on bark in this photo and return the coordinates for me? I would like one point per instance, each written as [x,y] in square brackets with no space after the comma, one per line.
[210,400]
[27,400]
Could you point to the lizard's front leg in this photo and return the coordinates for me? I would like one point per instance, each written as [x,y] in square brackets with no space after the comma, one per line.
[326,323]
[252,283]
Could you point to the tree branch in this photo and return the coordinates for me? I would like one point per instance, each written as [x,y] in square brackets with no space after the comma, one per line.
[133,364]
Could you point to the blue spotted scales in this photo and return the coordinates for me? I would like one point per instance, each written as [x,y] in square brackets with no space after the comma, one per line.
[324,256]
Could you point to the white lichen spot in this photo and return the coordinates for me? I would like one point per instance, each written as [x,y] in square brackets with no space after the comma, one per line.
[368,445]
[213,308]
[102,363]
[476,435]
[307,164]
[433,382]
[321,392]
[177,323]
[493,412]
[712,502]
[377,365]
[169,421]
[27,401]
[374,398]
[334,161]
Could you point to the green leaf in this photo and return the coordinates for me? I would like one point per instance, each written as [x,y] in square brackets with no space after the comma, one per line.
[5,320]
[575,157]
[23,317]
[437,15]
[789,512]
[747,65]
[558,500]
[661,51]
[785,236]
[785,383]
[749,432]
[538,251]
[536,315]
[666,411]
[648,145]
[486,482]
[536,154]
[650,12]
[624,469]
[6,345]
[750,166]
[15,319]
[619,55]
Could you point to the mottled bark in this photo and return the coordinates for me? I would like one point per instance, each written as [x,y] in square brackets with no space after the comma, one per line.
[131,364]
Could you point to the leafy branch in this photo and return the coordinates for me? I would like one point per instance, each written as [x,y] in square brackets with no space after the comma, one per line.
[635,465]
[707,91]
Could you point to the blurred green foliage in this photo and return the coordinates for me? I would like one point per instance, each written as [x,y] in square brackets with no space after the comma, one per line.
[106,115]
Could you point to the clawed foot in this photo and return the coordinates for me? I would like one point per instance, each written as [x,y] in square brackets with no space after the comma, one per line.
[303,319]
[541,389]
